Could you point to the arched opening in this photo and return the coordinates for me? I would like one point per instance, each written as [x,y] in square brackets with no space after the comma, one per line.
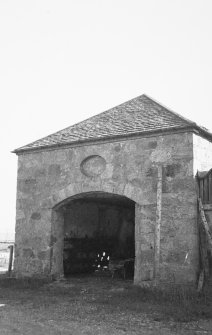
[98,234]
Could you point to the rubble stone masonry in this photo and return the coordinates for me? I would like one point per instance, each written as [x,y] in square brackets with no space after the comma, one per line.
[127,167]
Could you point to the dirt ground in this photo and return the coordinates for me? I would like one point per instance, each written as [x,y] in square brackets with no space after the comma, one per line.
[92,306]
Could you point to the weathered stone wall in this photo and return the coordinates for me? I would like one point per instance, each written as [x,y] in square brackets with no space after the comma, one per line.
[88,219]
[83,218]
[202,154]
[128,168]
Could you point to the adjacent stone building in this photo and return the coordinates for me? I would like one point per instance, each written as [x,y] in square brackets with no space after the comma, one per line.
[120,183]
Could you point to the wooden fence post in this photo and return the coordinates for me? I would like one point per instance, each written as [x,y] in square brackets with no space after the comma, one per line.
[205,224]
[10,259]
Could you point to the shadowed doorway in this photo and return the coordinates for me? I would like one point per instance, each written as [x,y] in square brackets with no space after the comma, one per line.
[99,232]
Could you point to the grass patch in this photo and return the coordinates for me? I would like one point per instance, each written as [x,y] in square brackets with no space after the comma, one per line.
[22,283]
[175,302]
[109,298]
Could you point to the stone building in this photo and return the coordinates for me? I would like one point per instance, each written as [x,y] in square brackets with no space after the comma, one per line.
[120,183]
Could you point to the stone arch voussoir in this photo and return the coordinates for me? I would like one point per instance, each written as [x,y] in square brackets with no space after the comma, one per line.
[73,189]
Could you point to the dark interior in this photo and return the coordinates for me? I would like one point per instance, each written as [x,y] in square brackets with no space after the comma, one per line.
[99,233]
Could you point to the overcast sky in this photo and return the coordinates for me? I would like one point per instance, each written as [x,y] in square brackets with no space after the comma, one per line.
[62,61]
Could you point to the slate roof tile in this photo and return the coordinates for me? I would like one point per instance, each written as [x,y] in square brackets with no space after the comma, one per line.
[137,116]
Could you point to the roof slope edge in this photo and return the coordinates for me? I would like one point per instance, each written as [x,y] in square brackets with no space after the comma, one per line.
[136,116]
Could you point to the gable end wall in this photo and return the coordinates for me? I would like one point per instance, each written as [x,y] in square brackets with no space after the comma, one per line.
[49,177]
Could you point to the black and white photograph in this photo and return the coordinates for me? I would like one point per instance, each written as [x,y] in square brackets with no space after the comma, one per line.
[106,167]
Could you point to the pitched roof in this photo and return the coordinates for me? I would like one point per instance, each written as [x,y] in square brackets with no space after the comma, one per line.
[140,115]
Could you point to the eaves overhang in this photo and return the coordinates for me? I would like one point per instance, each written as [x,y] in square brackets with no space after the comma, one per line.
[190,128]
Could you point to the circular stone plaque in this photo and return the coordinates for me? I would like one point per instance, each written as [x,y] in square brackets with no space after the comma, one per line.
[93,166]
